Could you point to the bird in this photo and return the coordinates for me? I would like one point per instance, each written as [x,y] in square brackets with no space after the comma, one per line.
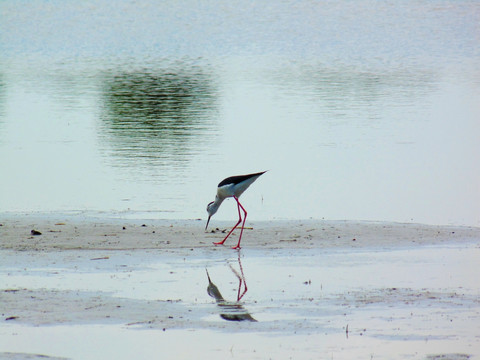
[233,186]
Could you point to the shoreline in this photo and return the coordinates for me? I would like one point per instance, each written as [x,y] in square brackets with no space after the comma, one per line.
[77,232]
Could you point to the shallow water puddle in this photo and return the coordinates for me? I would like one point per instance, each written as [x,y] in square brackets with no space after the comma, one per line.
[101,342]
[308,301]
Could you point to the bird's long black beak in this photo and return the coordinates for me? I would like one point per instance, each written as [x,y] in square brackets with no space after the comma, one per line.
[208,222]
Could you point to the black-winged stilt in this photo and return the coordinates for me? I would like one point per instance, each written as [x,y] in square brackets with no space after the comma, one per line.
[233,186]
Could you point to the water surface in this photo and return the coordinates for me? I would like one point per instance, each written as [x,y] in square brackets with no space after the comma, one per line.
[359,110]
[398,303]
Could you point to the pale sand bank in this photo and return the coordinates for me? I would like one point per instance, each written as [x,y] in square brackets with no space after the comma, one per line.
[63,232]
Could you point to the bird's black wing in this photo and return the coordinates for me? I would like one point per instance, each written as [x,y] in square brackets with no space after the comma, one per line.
[238,179]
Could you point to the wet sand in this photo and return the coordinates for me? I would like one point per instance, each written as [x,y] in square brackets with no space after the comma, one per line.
[102,287]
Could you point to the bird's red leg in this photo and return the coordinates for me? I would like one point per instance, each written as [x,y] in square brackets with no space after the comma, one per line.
[239,220]
[244,218]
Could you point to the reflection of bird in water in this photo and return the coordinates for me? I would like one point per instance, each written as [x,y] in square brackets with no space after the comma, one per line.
[233,186]
[231,311]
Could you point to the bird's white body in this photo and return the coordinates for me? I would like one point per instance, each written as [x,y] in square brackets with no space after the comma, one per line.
[226,191]
[233,190]
[236,190]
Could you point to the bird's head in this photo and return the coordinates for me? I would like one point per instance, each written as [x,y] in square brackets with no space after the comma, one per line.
[211,209]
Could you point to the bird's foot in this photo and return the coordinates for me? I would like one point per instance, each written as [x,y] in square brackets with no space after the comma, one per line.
[219,243]
[236,247]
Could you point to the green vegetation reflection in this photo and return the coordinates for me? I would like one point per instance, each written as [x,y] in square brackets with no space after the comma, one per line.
[158,116]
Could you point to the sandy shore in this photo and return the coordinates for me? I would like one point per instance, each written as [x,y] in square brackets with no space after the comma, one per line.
[70,232]
[316,289]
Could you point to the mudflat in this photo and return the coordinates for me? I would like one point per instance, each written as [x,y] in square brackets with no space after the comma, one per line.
[297,289]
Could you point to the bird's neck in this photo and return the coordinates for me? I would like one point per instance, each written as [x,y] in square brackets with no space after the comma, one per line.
[213,208]
[218,201]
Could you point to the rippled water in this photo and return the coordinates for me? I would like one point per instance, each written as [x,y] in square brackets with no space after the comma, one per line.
[360,110]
